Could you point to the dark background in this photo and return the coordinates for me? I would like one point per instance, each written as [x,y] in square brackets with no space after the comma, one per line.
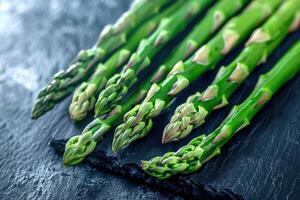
[37,38]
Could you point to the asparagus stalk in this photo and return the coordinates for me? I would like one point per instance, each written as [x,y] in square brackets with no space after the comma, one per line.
[118,86]
[114,36]
[215,17]
[201,149]
[261,44]
[138,121]
[84,98]
[111,38]
[80,146]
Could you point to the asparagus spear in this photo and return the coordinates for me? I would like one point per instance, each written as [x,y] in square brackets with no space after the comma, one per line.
[111,38]
[114,36]
[212,21]
[201,149]
[80,146]
[263,41]
[138,121]
[215,17]
[118,86]
[84,97]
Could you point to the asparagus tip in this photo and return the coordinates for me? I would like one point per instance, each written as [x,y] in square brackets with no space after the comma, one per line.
[78,148]
[115,149]
[143,164]
[118,145]
[71,157]
[40,108]
[168,137]
[34,115]
[76,114]
[83,101]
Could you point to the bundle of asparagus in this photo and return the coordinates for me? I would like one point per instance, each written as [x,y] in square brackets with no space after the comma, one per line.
[213,20]
[111,38]
[85,95]
[118,86]
[207,26]
[191,157]
[132,43]
[138,121]
[263,41]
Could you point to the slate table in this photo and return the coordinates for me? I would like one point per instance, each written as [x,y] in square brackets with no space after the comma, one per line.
[40,37]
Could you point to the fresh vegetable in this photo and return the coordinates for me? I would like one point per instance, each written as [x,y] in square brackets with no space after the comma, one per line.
[111,38]
[80,146]
[117,87]
[192,156]
[215,17]
[85,95]
[207,27]
[138,121]
[261,44]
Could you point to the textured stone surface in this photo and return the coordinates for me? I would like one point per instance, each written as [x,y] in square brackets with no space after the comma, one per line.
[37,38]
[40,37]
[261,162]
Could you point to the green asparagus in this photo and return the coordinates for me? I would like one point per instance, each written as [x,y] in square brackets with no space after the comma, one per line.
[111,38]
[191,157]
[212,21]
[84,98]
[138,121]
[118,86]
[80,146]
[263,41]
[207,26]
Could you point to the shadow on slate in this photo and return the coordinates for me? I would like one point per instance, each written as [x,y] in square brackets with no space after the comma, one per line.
[259,163]
[181,185]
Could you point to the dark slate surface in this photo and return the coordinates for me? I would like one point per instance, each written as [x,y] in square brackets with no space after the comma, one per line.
[262,162]
[39,37]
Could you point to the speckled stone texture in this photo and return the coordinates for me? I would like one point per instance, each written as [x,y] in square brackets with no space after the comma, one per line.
[40,37]
[37,38]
